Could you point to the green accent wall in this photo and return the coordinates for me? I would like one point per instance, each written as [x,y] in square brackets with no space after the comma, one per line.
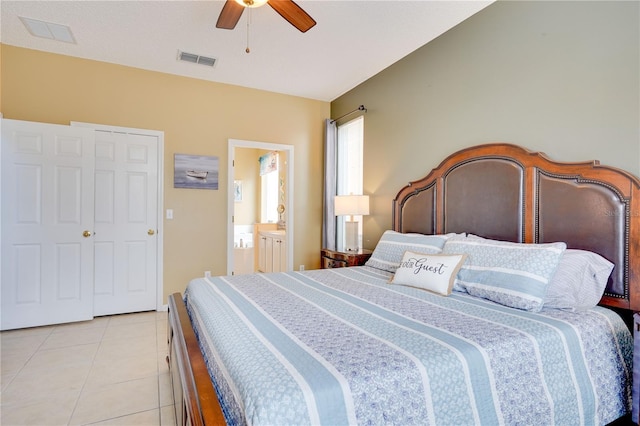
[557,77]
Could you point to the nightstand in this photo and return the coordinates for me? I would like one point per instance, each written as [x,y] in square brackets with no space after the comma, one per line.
[339,259]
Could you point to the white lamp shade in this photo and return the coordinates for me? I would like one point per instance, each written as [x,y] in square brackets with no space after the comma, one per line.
[354,205]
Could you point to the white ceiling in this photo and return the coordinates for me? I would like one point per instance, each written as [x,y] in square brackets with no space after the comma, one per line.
[352,41]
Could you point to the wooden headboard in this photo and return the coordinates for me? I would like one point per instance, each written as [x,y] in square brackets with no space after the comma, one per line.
[506,192]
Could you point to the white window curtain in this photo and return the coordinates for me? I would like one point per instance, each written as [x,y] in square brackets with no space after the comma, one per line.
[328,215]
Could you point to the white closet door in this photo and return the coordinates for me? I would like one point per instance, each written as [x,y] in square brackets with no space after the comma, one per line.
[126,222]
[47,224]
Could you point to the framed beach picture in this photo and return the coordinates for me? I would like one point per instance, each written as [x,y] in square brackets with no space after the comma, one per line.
[237,190]
[195,171]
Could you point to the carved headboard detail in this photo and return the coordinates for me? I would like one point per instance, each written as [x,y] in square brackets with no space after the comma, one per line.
[506,192]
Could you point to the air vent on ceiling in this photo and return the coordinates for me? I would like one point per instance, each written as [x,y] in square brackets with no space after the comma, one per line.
[196,59]
[48,30]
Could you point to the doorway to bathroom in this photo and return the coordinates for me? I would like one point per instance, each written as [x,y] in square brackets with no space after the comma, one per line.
[260,179]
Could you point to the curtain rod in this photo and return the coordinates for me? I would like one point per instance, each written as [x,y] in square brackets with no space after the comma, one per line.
[360,108]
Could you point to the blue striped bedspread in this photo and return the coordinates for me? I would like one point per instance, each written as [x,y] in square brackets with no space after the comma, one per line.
[343,346]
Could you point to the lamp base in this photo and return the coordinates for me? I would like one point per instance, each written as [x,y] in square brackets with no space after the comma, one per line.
[351,235]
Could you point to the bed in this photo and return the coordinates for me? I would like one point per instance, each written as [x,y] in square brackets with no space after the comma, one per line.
[451,321]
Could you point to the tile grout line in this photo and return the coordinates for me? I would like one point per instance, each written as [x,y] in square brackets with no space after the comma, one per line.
[158,375]
[29,358]
[93,360]
[77,403]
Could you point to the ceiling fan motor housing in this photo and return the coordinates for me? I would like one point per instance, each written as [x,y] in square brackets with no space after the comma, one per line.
[252,3]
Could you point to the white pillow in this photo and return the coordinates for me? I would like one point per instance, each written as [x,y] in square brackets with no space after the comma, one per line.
[512,274]
[433,272]
[392,245]
[579,281]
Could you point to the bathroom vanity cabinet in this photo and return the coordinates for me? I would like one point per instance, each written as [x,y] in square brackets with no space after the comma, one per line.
[272,251]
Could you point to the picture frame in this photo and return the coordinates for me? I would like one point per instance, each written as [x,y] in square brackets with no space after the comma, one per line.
[237,191]
[195,171]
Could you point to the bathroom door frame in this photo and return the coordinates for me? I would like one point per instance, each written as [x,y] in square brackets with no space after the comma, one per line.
[288,203]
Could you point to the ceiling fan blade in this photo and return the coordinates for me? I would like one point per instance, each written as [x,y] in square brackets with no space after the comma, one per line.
[293,13]
[230,15]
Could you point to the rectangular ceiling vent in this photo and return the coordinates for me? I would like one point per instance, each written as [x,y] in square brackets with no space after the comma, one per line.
[48,30]
[196,59]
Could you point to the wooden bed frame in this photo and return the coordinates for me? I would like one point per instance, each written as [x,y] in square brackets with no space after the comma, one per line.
[498,191]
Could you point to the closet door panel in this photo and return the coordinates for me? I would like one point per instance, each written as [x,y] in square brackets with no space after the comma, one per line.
[126,199]
[47,224]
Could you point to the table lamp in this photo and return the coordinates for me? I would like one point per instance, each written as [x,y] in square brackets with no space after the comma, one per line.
[351,205]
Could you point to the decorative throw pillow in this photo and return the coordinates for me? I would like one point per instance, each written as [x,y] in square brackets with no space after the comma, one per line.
[579,281]
[433,272]
[512,274]
[392,245]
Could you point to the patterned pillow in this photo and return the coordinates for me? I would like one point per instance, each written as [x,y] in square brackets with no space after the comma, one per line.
[433,272]
[579,281]
[392,245]
[512,274]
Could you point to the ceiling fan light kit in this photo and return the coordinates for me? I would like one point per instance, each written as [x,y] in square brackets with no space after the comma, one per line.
[251,3]
[288,9]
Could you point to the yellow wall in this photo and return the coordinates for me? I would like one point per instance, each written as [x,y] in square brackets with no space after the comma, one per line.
[197,117]
[247,169]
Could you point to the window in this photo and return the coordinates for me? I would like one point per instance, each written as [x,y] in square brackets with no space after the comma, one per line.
[269,177]
[269,213]
[349,171]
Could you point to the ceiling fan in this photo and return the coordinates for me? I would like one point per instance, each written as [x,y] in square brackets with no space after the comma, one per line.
[232,10]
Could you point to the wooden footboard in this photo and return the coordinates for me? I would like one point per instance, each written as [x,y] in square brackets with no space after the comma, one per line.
[195,399]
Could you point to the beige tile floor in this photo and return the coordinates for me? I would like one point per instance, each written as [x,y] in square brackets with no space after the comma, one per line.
[111,370]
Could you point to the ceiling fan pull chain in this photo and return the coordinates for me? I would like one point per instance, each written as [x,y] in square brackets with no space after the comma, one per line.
[248,23]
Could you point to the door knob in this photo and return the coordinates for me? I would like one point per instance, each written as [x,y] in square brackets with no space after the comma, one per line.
[151,232]
[86,234]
